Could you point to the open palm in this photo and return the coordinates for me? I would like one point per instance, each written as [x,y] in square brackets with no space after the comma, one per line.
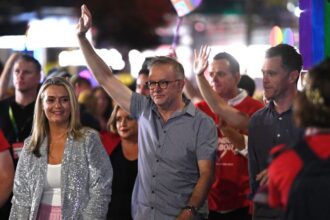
[85,21]
[201,60]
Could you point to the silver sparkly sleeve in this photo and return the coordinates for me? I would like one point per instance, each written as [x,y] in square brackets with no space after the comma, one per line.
[21,201]
[100,171]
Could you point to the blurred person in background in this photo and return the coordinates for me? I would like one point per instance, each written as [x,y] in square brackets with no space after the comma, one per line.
[124,163]
[63,171]
[83,90]
[141,82]
[248,84]
[80,84]
[6,170]
[102,106]
[16,112]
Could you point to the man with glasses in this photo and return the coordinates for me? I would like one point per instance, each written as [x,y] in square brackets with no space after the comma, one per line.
[177,142]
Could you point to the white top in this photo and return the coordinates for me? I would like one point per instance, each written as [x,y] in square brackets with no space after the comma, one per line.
[52,189]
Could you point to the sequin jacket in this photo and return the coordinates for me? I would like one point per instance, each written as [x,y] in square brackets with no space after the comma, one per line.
[86,178]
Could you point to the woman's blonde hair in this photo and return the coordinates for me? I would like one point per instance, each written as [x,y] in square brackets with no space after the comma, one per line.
[40,127]
[111,125]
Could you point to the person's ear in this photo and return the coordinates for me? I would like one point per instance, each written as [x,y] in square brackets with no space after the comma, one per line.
[293,77]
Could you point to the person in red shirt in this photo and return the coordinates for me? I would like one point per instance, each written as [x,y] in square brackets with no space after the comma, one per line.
[6,170]
[311,111]
[230,108]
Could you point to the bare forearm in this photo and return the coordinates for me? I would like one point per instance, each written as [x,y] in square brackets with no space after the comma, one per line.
[232,116]
[202,188]
[119,92]
[5,75]
[191,92]
[99,68]
[236,138]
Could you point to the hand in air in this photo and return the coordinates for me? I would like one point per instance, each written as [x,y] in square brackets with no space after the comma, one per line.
[201,60]
[85,21]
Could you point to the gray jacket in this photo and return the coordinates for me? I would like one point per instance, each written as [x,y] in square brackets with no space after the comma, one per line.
[86,178]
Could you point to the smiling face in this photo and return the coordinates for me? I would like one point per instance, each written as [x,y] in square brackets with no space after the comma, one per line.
[56,105]
[165,98]
[126,126]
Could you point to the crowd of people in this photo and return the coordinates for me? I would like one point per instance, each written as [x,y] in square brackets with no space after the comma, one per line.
[71,151]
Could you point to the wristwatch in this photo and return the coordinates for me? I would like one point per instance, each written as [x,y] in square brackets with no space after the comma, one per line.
[191,209]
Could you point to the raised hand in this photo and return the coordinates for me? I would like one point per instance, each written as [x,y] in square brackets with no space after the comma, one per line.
[201,60]
[85,21]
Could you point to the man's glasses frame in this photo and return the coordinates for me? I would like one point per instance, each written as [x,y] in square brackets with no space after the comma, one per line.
[163,84]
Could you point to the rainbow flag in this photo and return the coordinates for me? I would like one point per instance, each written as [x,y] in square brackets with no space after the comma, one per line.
[184,7]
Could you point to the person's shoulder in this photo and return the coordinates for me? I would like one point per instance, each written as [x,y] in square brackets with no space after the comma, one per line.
[260,113]
[7,101]
[87,131]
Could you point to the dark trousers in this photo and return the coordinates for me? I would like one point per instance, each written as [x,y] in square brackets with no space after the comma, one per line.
[238,214]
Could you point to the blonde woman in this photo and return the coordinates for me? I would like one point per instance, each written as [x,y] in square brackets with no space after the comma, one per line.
[63,171]
[124,162]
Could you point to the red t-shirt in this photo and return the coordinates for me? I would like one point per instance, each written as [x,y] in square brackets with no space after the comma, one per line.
[230,188]
[284,168]
[4,145]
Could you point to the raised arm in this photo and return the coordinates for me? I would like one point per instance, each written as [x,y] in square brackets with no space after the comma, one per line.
[232,116]
[5,75]
[103,74]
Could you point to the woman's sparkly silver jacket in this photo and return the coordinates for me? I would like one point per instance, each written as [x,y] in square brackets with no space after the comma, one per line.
[86,177]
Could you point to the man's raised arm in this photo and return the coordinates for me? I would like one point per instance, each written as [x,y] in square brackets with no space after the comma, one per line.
[103,74]
[232,116]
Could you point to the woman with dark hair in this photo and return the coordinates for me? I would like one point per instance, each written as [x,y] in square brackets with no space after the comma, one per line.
[63,171]
[289,167]
[102,107]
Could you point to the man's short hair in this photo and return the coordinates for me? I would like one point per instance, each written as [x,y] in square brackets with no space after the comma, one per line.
[30,59]
[161,60]
[233,63]
[144,71]
[291,59]
[247,83]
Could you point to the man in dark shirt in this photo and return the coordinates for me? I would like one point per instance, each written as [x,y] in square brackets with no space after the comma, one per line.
[16,112]
[273,124]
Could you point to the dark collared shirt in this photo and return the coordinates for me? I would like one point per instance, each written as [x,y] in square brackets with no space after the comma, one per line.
[267,129]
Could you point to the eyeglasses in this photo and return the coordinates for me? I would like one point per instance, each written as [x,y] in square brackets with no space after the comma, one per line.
[163,84]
